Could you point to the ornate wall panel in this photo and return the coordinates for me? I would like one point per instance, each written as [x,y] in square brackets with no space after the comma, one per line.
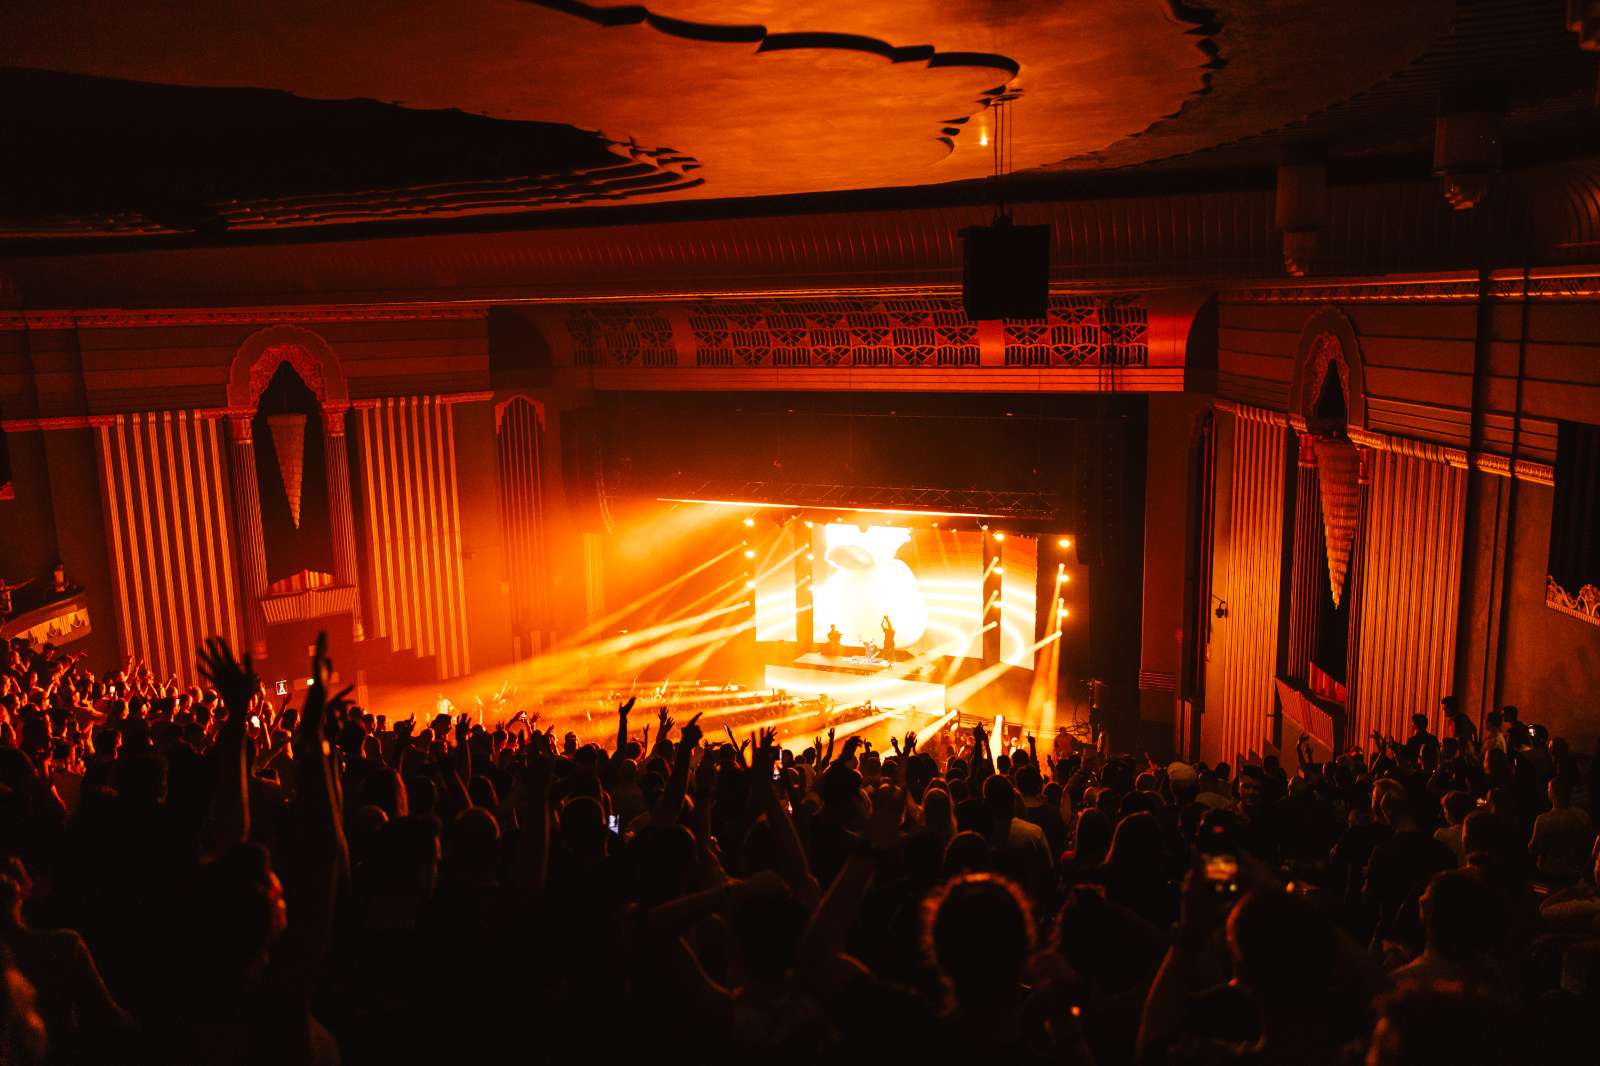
[172,552]
[408,471]
[1410,586]
[1082,331]
[879,332]
[621,336]
[909,331]
[1248,577]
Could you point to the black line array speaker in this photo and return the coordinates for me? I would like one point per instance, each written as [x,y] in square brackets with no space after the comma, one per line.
[1099,475]
[1005,271]
[583,470]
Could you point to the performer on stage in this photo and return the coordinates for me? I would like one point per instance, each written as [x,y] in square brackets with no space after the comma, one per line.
[834,646]
[887,651]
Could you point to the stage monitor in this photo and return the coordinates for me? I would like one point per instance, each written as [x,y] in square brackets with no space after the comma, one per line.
[927,582]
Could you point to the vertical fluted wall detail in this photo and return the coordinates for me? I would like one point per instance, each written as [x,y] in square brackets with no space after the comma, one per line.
[340,514]
[247,527]
[1248,578]
[168,537]
[414,528]
[1304,586]
[1410,590]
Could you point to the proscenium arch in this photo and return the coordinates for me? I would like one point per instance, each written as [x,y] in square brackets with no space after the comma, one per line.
[1328,345]
[259,357]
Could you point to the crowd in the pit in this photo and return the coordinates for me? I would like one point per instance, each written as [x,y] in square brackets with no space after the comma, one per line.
[214,875]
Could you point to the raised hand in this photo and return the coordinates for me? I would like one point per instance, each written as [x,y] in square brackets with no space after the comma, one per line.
[691,733]
[234,680]
[911,741]
[623,709]
[768,739]
[404,727]
[319,704]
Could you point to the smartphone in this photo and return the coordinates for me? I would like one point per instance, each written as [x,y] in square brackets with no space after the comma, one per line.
[1222,873]
[612,823]
[283,688]
[255,721]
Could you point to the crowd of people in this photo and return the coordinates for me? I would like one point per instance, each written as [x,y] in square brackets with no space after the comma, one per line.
[214,875]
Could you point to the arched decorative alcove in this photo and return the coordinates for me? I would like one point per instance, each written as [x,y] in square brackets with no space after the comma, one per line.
[290,360]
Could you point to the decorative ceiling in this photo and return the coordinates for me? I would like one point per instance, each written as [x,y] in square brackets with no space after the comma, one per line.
[134,117]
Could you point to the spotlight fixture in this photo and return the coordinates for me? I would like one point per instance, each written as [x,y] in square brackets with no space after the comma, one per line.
[749,584]
[999,536]
[749,553]
[810,524]
[749,522]
[1064,543]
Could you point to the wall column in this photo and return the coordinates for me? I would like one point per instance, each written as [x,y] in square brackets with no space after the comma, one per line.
[247,522]
[1303,591]
[340,515]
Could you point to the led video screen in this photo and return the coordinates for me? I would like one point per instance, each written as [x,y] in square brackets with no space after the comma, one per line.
[928,584]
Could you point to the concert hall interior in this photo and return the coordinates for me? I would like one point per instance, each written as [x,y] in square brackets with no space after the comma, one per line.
[1205,391]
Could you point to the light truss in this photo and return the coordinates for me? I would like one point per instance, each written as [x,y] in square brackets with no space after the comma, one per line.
[903,499]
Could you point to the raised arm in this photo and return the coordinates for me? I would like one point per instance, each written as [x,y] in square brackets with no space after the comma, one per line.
[981,766]
[229,821]
[663,727]
[622,725]
[793,866]
[461,754]
[321,854]
[670,807]
[828,758]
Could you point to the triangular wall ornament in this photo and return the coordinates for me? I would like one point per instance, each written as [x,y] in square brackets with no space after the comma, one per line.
[1339,474]
[289,441]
